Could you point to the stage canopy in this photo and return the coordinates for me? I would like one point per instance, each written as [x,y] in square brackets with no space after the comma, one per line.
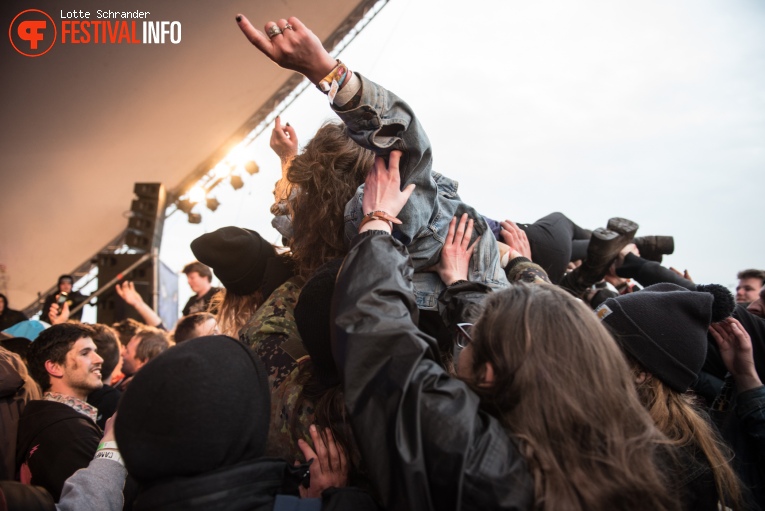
[84,122]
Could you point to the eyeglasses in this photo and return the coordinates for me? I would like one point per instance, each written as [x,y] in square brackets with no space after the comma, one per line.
[463,334]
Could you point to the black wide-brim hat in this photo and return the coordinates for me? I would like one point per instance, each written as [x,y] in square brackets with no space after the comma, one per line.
[237,256]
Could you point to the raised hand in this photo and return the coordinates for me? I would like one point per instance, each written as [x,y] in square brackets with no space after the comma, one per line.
[284,141]
[59,313]
[330,466]
[736,351]
[127,292]
[293,46]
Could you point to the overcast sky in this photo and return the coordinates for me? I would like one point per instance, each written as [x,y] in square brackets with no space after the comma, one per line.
[650,110]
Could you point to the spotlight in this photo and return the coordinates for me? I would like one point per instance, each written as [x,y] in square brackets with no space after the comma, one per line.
[212,203]
[195,218]
[236,182]
[197,194]
[251,167]
[185,205]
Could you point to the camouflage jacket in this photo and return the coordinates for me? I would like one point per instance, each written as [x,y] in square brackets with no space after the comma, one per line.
[272,333]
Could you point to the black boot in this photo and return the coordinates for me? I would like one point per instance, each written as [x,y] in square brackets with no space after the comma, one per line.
[654,247]
[605,245]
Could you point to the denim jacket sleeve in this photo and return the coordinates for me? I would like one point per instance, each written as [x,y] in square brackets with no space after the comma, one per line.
[422,434]
[382,122]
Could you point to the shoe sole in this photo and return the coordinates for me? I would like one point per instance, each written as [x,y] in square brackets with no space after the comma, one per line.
[604,234]
[622,226]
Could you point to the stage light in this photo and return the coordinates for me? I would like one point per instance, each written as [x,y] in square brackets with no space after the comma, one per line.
[221,170]
[185,205]
[236,182]
[251,167]
[212,203]
[197,194]
[195,218]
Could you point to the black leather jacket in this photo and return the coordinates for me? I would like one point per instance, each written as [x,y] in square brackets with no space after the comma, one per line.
[423,436]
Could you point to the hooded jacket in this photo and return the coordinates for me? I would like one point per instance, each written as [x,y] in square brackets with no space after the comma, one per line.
[424,438]
[54,441]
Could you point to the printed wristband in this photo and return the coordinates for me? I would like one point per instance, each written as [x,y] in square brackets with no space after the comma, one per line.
[108,445]
[109,454]
[331,83]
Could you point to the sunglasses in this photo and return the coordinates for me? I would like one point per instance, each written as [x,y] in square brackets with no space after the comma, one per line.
[463,334]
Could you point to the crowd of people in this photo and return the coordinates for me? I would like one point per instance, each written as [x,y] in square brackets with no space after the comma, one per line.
[401,351]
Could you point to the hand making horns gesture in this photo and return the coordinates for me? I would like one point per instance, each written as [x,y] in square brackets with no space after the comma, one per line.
[291,45]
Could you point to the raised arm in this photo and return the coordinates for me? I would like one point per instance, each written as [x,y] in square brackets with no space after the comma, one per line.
[377,119]
[127,292]
[423,437]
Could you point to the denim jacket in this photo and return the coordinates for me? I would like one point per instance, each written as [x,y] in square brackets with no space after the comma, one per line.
[380,121]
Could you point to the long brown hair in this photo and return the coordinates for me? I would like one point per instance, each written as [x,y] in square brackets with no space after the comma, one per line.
[234,310]
[677,416]
[563,389]
[326,175]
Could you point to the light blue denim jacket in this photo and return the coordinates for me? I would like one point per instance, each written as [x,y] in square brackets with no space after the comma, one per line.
[382,122]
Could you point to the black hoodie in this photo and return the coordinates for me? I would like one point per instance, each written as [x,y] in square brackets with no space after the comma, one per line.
[54,441]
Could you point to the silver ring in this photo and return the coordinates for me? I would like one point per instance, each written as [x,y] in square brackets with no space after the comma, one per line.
[273,31]
[287,27]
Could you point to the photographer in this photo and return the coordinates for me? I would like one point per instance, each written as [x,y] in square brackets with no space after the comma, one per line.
[64,295]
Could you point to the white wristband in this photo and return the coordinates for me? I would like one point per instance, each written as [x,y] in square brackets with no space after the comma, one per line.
[110,454]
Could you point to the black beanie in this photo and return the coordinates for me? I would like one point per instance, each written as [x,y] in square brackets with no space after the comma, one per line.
[664,327]
[197,407]
[237,256]
[312,316]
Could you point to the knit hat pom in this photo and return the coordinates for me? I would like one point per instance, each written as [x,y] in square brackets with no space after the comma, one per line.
[723,304]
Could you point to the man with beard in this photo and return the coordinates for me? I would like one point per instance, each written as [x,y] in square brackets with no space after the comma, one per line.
[58,434]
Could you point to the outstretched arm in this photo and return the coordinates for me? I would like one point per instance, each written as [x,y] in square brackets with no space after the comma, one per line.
[376,118]
[127,292]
